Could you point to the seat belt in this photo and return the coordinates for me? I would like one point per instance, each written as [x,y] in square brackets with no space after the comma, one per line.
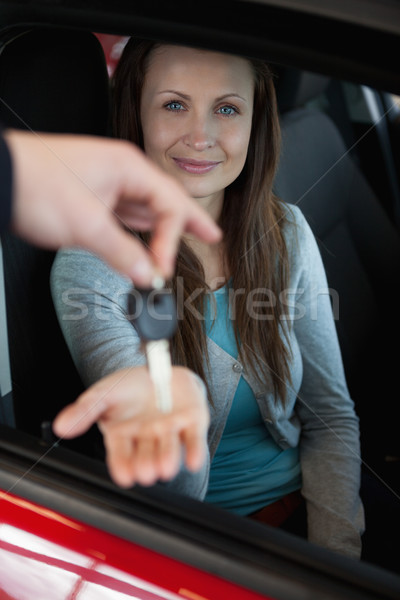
[6,402]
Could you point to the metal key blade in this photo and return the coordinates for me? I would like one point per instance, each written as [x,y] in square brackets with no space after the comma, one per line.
[155,319]
[159,363]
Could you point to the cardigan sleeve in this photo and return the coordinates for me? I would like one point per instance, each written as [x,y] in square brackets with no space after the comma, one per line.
[329,442]
[91,302]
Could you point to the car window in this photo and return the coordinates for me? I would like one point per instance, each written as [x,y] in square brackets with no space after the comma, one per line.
[371,137]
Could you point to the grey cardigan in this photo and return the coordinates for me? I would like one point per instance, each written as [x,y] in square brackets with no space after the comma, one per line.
[91,303]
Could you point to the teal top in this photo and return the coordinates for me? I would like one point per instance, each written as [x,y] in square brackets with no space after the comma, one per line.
[249,470]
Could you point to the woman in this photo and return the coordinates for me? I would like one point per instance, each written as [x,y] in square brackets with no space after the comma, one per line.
[255,321]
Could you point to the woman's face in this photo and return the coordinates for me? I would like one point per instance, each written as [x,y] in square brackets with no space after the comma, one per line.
[196,114]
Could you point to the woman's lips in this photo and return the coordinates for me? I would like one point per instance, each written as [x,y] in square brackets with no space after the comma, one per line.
[197,167]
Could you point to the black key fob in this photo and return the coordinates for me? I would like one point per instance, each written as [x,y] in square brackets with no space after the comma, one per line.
[153,313]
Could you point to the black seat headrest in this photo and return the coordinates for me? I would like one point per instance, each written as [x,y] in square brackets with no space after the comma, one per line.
[294,88]
[54,81]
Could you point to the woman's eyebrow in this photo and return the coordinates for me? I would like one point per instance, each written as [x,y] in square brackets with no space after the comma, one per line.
[186,97]
[176,93]
[230,95]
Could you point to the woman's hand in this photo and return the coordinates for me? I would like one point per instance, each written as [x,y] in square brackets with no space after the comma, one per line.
[142,444]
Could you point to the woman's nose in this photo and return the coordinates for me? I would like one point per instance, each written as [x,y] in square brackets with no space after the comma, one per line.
[199,135]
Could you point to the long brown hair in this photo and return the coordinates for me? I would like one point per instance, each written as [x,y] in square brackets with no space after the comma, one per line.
[252,220]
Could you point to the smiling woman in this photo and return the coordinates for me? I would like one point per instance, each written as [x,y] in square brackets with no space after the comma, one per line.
[283,437]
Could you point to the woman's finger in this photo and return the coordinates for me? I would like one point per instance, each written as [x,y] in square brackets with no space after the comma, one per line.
[169,456]
[145,460]
[195,442]
[76,418]
[120,459]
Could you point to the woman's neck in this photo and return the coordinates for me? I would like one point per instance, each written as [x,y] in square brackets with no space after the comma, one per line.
[212,204]
[212,257]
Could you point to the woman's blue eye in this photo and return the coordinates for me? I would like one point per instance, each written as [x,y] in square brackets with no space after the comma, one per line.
[174,106]
[227,110]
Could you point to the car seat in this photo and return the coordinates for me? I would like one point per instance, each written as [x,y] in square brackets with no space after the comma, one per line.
[50,81]
[360,248]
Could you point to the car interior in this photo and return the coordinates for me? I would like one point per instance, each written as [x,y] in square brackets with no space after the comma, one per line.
[320,171]
[334,167]
[358,240]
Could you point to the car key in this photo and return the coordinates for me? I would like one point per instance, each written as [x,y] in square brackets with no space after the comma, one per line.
[153,314]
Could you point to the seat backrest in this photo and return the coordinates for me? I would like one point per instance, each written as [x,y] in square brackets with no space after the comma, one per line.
[53,81]
[360,248]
